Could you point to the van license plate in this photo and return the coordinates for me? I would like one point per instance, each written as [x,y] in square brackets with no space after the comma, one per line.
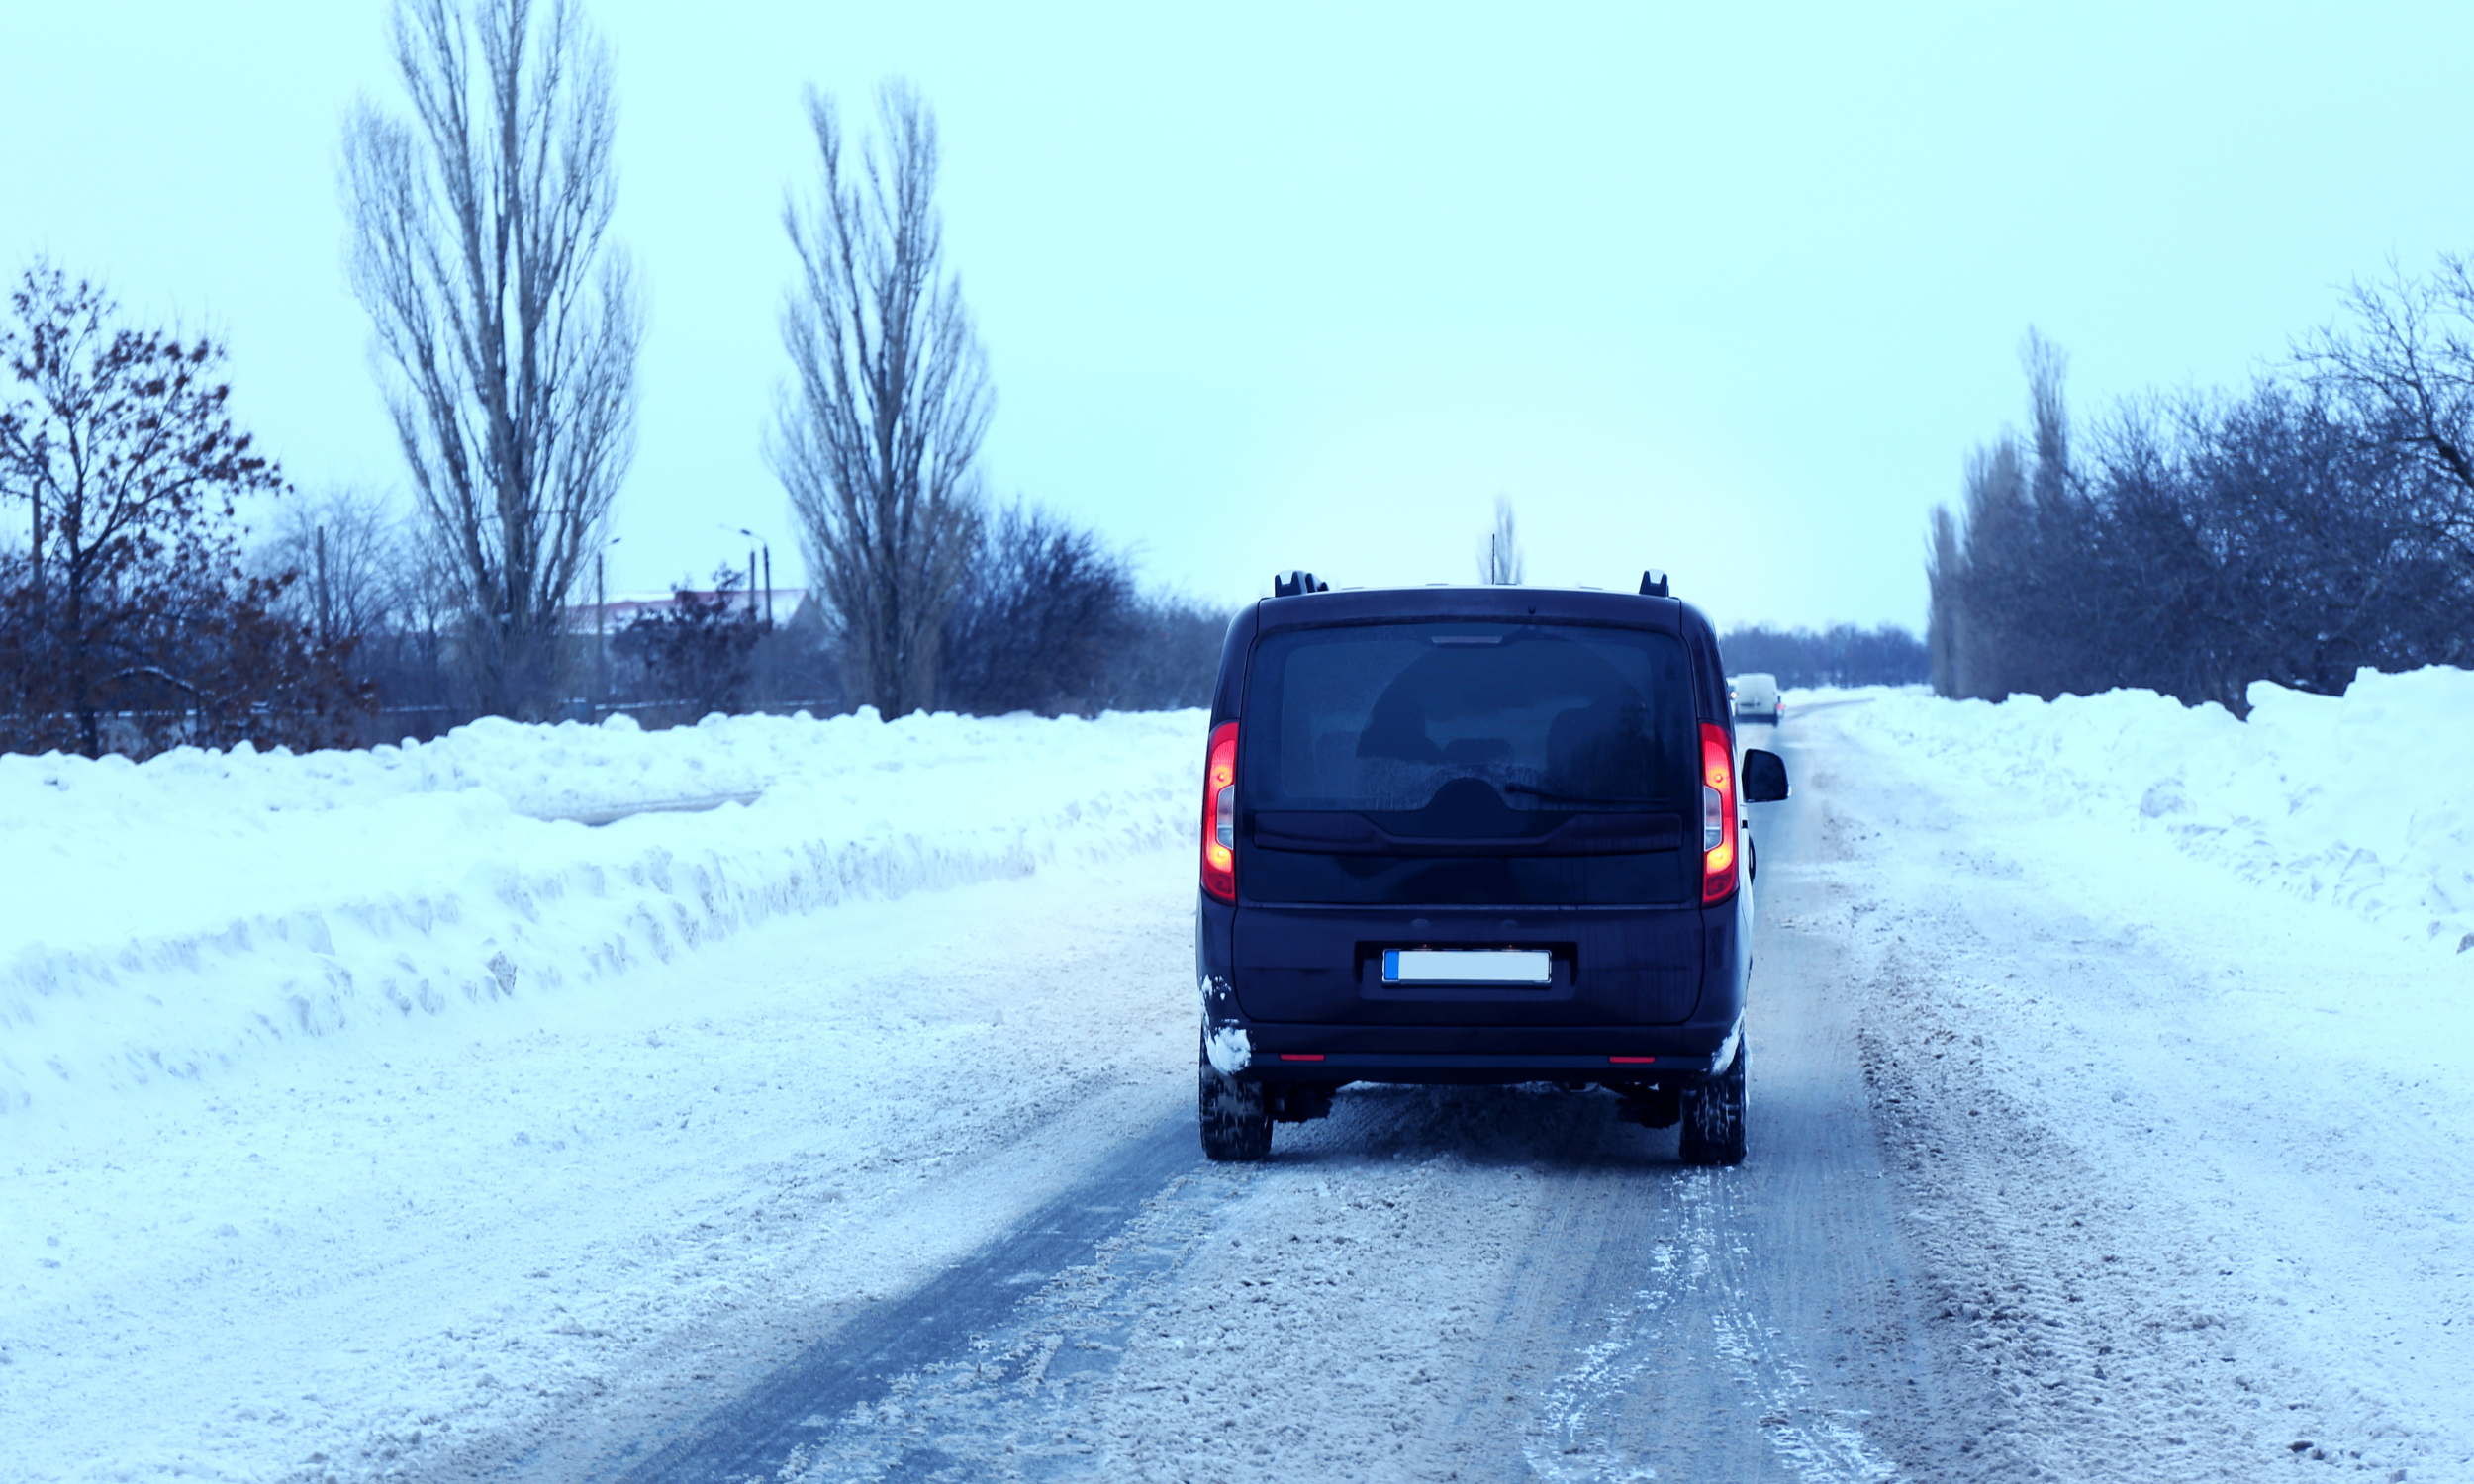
[1456,965]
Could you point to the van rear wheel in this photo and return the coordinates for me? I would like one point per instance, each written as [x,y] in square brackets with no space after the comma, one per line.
[1713,1117]
[1236,1119]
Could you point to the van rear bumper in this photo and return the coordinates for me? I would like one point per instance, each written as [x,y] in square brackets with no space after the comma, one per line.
[1481,1055]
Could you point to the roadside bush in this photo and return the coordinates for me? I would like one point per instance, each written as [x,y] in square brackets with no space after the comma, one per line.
[1169,655]
[1044,605]
[698,655]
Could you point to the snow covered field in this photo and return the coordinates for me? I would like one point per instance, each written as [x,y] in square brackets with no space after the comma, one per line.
[369,1116]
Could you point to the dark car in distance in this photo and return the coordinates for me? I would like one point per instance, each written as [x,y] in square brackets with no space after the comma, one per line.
[1474,835]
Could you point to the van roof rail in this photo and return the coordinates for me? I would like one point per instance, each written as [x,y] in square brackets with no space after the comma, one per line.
[1654,584]
[1290,583]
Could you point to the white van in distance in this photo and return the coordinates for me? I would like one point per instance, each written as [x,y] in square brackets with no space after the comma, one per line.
[1755,697]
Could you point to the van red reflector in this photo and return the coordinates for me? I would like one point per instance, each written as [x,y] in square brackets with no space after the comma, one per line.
[1632,1061]
[1301,1055]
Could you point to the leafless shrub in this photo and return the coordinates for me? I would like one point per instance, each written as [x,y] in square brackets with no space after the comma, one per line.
[1168,656]
[697,655]
[1044,608]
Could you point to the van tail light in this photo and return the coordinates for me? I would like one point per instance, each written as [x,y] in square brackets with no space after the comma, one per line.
[1219,813]
[1717,814]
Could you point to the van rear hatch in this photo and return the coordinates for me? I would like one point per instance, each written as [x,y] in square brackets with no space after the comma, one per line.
[1461,786]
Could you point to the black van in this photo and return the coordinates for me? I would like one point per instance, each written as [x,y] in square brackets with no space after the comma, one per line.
[1473,834]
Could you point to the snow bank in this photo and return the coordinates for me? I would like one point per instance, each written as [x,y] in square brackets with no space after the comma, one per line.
[172,918]
[2364,801]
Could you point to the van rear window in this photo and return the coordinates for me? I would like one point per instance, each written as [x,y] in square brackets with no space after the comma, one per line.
[1551,718]
[1461,763]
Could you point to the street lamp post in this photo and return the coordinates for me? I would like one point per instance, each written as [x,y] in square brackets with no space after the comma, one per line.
[752,573]
[601,624]
[763,684]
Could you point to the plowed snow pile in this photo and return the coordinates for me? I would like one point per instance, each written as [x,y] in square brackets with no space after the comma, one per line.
[367,1114]
[176,917]
[2365,801]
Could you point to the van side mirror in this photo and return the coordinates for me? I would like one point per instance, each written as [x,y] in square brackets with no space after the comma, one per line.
[1765,777]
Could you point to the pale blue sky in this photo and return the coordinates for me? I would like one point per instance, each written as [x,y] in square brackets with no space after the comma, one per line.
[1729,290]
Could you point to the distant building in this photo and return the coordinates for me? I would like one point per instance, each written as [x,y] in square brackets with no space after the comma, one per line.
[780,604]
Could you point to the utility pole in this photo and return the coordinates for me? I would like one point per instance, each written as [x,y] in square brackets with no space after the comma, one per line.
[751,574]
[600,629]
[325,613]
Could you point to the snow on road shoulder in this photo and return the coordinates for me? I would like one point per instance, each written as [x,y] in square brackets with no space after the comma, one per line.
[2214,963]
[2365,801]
[171,919]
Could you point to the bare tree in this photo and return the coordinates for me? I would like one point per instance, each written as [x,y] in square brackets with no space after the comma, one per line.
[1978,573]
[509,324]
[2007,597]
[2407,374]
[2048,367]
[1946,569]
[409,658]
[2290,533]
[1500,559]
[362,577]
[876,443]
[128,624]
[347,546]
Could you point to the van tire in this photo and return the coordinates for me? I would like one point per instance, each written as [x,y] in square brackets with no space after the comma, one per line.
[1235,1118]
[1713,1117]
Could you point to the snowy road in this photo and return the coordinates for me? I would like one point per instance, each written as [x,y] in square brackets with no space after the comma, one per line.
[1482,1282]
[1507,1285]
[2074,1157]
